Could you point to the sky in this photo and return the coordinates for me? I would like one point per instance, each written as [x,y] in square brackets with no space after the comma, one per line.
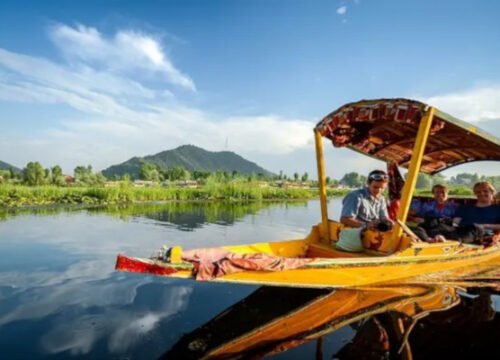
[98,82]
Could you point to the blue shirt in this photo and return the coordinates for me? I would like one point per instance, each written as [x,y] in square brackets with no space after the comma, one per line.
[360,205]
[478,215]
[430,208]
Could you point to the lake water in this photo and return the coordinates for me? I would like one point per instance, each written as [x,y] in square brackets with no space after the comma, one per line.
[61,298]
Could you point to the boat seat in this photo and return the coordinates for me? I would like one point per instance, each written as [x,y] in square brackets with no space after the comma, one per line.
[319,250]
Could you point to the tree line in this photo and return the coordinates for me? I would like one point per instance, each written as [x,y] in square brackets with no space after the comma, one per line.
[35,174]
[424,181]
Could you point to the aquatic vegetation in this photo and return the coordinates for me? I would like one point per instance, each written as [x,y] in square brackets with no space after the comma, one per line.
[19,195]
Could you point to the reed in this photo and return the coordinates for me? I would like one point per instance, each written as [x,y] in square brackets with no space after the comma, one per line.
[19,195]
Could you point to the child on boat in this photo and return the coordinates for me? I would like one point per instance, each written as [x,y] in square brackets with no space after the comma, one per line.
[439,207]
[433,217]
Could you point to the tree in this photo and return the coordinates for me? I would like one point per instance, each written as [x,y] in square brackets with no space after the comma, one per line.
[126,178]
[83,174]
[352,179]
[99,179]
[34,174]
[4,176]
[305,177]
[56,171]
[424,181]
[328,180]
[438,179]
[177,173]
[57,177]
[200,174]
[149,172]
[465,179]
[251,177]
[295,176]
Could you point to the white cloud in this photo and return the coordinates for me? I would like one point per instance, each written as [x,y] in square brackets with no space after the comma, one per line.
[342,10]
[126,51]
[476,104]
[121,329]
[115,115]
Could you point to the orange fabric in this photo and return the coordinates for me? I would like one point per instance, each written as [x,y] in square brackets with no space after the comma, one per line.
[215,262]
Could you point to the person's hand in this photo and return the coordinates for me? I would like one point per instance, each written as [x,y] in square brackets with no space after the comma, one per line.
[372,225]
[438,239]
[418,220]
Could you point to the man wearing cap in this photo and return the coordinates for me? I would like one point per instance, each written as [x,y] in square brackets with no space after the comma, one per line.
[366,207]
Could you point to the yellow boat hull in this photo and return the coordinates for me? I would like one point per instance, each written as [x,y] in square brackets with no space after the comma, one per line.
[330,267]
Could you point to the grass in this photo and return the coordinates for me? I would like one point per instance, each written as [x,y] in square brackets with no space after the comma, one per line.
[19,195]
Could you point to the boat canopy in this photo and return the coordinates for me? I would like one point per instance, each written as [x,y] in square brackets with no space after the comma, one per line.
[386,129]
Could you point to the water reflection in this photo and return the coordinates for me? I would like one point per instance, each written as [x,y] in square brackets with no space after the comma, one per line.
[185,216]
[379,323]
[61,298]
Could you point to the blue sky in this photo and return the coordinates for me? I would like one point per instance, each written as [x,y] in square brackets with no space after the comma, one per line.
[97,82]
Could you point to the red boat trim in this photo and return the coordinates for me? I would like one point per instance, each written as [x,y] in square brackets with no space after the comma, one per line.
[124,263]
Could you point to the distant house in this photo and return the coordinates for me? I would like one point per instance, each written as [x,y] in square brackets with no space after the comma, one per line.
[292,185]
[112,184]
[143,183]
[280,183]
[263,184]
[340,186]
[192,184]
[68,179]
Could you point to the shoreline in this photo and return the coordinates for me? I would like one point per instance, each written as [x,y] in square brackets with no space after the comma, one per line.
[19,196]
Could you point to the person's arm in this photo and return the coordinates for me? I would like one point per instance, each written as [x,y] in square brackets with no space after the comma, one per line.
[459,214]
[351,221]
[494,227]
[350,208]
[414,211]
[384,213]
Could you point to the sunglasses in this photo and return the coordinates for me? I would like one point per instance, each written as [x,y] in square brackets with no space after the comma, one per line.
[378,177]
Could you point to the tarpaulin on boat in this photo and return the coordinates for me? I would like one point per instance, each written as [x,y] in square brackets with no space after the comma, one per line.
[386,130]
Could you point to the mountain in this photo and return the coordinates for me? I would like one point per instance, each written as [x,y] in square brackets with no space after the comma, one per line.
[191,158]
[5,166]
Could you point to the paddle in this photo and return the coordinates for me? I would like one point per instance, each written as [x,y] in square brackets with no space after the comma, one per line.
[407,230]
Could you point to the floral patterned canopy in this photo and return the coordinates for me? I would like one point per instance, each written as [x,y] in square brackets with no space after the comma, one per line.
[386,130]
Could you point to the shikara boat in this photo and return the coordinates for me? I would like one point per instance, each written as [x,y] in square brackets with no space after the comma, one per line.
[404,132]
[273,320]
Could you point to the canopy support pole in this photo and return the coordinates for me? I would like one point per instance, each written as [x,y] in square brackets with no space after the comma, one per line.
[414,168]
[324,229]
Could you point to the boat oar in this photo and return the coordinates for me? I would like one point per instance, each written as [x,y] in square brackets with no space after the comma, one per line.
[407,230]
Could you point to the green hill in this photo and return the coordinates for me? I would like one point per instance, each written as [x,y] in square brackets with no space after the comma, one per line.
[191,158]
[5,166]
